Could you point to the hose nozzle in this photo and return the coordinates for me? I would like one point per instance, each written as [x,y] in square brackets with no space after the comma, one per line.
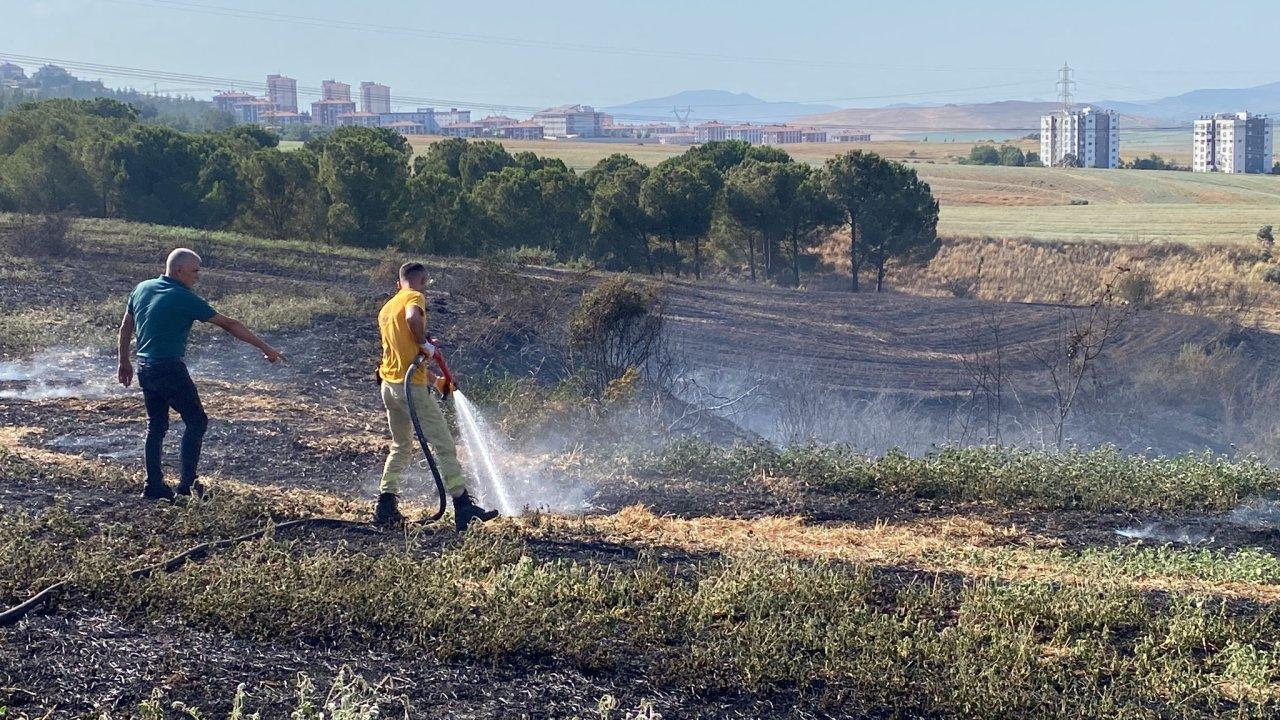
[445,383]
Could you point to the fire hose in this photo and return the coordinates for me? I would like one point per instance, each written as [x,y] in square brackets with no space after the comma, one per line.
[444,386]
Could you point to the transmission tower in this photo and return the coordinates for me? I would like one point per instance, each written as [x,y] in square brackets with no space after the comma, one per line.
[1065,87]
[682,115]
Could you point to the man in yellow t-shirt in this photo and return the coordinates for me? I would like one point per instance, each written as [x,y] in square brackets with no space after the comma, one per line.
[402,323]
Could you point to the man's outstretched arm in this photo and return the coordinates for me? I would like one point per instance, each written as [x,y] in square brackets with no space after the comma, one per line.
[238,330]
[125,373]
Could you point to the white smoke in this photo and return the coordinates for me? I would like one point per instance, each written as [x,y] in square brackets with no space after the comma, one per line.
[1259,513]
[506,480]
[1154,531]
[119,445]
[59,373]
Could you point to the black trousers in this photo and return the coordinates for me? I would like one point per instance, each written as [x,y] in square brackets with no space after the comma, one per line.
[167,384]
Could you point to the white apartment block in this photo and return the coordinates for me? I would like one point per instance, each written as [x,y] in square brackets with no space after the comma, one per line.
[1082,138]
[1232,143]
[375,98]
[570,120]
[282,91]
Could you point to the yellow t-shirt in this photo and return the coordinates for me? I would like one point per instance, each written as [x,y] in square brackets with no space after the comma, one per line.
[399,349]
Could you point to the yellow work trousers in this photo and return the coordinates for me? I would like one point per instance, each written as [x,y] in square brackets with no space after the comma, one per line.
[434,426]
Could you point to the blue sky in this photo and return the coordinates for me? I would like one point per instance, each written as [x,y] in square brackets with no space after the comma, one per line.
[537,53]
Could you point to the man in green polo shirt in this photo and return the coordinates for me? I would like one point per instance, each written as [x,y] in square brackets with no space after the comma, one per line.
[161,312]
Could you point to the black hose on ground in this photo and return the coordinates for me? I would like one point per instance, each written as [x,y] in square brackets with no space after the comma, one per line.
[45,596]
[422,440]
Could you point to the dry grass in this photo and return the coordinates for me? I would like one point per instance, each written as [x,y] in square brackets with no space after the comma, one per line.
[1132,224]
[1211,279]
[968,545]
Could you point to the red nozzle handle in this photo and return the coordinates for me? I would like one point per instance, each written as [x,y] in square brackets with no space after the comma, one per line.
[444,367]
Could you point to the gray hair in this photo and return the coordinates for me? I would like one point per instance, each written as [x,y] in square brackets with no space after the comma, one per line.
[179,259]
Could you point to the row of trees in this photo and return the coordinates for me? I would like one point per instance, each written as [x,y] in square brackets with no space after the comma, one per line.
[724,203]
[1010,155]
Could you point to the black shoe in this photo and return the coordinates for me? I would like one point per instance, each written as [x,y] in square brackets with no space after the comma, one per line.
[194,489]
[388,510]
[157,492]
[465,511]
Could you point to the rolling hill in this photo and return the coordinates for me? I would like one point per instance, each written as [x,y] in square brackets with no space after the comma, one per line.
[715,105]
[1017,115]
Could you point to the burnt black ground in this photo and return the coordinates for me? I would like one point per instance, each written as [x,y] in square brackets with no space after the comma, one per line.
[81,663]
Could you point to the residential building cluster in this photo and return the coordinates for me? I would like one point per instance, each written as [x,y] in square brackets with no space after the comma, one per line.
[1239,142]
[337,106]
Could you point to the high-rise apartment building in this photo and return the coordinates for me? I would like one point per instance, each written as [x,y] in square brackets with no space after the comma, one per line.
[334,90]
[1087,137]
[282,91]
[1232,143]
[375,98]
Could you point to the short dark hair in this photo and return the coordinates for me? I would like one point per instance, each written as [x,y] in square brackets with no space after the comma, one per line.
[412,271]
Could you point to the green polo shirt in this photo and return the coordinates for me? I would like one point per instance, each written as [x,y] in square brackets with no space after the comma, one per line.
[163,310]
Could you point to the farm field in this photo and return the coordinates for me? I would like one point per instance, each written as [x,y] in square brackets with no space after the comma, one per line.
[1155,222]
[670,578]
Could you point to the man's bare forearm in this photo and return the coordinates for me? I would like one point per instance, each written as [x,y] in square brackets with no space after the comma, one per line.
[125,338]
[238,330]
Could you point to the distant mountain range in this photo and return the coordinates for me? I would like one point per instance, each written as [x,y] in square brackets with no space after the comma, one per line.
[714,105]
[926,117]
[1263,99]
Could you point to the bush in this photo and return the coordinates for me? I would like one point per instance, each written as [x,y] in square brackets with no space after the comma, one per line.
[386,274]
[1136,289]
[984,155]
[962,287]
[44,237]
[1012,156]
[616,327]
[526,255]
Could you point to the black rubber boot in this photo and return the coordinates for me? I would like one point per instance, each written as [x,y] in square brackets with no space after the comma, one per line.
[194,489]
[465,511]
[162,491]
[388,510]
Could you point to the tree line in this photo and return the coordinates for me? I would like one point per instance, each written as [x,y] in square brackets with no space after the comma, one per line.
[180,112]
[727,205]
[1010,155]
